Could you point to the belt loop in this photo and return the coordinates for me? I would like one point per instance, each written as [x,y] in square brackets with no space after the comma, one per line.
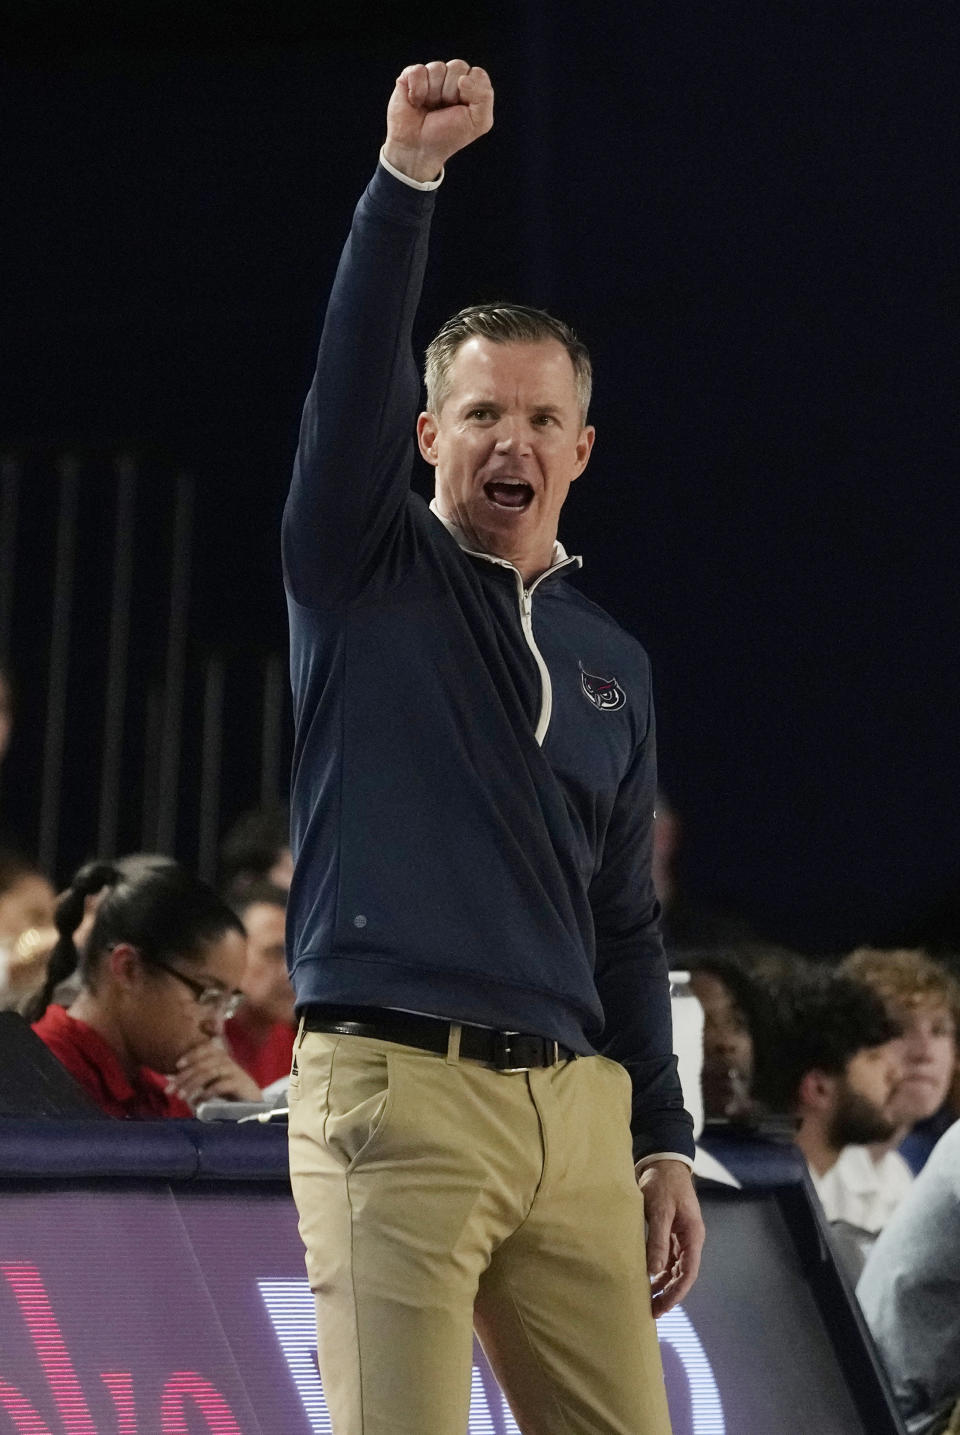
[301,1033]
[453,1043]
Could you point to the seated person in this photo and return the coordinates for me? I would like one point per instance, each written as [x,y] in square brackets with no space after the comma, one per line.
[257,849]
[832,1059]
[26,920]
[910,1293]
[923,996]
[159,972]
[260,1036]
[731,1014]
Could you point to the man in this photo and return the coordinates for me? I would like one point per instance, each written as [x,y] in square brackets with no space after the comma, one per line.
[257,849]
[925,999]
[910,1294]
[473,795]
[832,1058]
[260,1036]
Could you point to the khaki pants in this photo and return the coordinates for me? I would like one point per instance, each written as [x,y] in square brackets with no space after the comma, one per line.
[435,1194]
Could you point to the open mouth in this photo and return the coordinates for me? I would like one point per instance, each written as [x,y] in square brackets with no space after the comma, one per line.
[509,493]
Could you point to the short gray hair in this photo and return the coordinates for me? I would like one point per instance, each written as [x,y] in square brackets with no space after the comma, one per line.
[502,324]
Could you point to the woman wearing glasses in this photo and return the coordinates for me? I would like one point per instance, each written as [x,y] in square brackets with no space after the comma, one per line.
[159,972]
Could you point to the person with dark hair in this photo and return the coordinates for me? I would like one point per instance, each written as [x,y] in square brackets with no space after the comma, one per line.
[160,970]
[257,849]
[260,1036]
[731,1002]
[831,1058]
[473,934]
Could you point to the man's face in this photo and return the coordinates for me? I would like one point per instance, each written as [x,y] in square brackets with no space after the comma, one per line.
[859,1113]
[928,1050]
[265,983]
[506,445]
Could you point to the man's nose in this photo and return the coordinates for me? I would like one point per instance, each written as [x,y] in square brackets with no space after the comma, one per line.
[511,437]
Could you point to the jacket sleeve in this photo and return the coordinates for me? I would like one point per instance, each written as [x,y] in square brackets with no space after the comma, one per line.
[631,969]
[352,470]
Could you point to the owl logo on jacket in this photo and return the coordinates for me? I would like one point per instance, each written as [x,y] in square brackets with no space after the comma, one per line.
[606,694]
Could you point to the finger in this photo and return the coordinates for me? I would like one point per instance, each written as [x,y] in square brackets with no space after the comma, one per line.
[659,1224]
[415,81]
[672,1289]
[454,71]
[677,1281]
[476,91]
[436,74]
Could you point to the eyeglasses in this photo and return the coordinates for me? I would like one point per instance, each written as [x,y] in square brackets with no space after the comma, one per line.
[213,999]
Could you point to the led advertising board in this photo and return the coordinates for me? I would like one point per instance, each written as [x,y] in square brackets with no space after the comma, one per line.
[159,1310]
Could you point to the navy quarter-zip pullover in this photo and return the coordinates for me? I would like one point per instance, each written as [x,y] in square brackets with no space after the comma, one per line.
[474,768]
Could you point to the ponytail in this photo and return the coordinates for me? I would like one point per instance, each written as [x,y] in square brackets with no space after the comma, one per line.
[68,915]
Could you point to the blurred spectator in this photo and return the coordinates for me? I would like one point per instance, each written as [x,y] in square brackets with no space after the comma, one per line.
[26,926]
[910,1294]
[925,999]
[257,849]
[832,1058]
[159,975]
[6,710]
[260,1036]
[685,921]
[731,1002]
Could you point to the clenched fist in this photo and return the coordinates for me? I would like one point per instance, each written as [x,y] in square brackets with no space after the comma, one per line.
[435,110]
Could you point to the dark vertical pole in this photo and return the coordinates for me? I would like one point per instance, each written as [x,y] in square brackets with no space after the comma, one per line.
[9,505]
[59,665]
[272,736]
[153,723]
[210,765]
[539,144]
[116,689]
[170,736]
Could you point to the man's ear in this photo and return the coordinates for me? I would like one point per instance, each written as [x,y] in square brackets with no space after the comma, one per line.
[427,430]
[584,449]
[816,1090]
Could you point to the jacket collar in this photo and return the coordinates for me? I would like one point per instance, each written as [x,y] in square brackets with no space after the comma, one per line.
[560,554]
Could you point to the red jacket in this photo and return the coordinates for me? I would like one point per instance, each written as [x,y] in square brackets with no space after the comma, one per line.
[95,1066]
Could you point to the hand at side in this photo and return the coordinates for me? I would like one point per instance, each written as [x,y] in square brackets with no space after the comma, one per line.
[675,1232]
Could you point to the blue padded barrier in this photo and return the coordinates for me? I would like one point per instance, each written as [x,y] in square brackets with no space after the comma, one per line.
[58,1148]
[251,1152]
[755,1160]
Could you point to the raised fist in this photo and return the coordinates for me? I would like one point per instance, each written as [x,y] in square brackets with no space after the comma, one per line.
[435,110]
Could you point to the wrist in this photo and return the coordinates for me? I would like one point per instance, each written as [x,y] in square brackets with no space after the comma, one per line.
[422,169]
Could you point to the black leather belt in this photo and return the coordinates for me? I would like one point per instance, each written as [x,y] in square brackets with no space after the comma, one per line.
[505,1050]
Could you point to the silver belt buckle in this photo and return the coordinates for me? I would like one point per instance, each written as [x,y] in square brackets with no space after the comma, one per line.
[501,1055]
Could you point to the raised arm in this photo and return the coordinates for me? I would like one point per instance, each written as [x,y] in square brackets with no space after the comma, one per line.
[355,452]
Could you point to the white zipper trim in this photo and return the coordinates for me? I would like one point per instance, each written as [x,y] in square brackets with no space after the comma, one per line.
[526,621]
[525,597]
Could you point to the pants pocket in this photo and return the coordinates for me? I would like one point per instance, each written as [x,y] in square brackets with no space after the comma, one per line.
[360,1097]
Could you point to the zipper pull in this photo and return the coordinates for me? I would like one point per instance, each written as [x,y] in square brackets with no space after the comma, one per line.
[526,603]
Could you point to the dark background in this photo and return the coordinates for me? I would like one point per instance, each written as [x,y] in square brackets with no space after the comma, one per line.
[749,212]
